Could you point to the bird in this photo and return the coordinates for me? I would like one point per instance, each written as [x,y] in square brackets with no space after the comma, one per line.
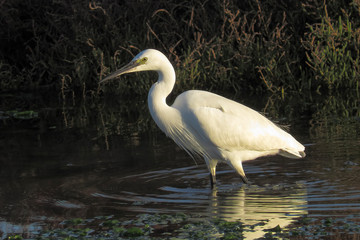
[208,125]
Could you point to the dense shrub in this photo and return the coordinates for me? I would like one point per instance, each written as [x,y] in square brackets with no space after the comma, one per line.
[278,46]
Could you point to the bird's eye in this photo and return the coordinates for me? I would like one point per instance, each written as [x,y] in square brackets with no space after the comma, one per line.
[142,60]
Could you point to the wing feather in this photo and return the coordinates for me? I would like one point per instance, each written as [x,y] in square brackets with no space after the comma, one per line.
[228,125]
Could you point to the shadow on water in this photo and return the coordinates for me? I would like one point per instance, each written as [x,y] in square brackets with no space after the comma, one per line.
[111,160]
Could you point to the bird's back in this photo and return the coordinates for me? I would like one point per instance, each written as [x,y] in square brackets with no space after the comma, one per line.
[232,127]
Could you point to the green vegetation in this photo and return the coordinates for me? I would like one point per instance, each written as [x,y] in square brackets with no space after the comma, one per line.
[333,53]
[182,226]
[30,114]
[221,45]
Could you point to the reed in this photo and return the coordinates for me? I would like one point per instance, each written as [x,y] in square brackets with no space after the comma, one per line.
[221,45]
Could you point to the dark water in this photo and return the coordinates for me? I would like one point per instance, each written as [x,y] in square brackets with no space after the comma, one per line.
[49,174]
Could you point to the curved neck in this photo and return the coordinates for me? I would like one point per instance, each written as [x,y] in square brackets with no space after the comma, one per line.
[158,93]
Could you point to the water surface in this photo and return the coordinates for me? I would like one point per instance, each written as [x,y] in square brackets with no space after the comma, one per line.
[49,174]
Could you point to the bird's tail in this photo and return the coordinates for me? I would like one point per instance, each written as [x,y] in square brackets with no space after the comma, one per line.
[291,153]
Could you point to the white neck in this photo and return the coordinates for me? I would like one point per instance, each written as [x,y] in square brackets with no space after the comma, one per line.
[158,93]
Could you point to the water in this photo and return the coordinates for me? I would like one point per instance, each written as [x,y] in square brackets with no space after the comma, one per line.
[49,174]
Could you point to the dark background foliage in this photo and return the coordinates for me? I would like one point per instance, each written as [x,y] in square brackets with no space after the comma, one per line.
[221,45]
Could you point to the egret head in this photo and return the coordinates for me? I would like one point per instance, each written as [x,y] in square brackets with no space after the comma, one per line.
[146,60]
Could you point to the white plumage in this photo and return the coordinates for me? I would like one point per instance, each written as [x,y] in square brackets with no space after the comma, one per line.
[209,125]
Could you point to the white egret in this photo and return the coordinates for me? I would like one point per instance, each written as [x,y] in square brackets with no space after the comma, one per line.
[206,124]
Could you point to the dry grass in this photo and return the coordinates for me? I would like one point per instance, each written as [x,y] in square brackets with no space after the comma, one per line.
[221,45]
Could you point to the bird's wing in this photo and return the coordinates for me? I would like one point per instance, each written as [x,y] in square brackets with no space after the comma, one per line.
[232,126]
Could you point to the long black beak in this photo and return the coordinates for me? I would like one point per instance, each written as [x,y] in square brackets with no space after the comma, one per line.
[125,69]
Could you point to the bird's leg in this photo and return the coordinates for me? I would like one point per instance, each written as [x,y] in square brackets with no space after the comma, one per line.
[211,164]
[244,179]
[237,165]
[212,180]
